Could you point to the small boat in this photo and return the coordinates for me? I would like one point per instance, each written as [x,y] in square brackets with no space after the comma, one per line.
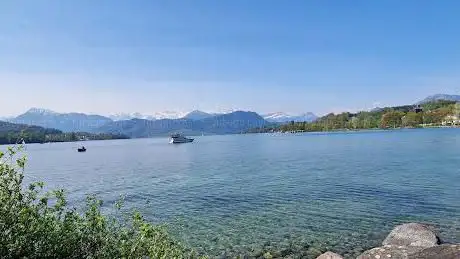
[81,149]
[179,138]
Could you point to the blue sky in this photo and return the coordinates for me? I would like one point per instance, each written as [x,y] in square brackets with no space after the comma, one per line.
[109,56]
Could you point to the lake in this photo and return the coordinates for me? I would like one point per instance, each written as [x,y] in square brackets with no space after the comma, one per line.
[294,194]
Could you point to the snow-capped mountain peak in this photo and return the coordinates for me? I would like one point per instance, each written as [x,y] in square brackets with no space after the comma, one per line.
[169,115]
[41,111]
[275,115]
[286,117]
[279,117]
[129,116]
[153,116]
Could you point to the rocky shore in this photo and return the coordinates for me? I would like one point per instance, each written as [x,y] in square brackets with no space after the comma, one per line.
[409,241]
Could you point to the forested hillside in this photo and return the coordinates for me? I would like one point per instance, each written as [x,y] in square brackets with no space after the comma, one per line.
[12,133]
[427,114]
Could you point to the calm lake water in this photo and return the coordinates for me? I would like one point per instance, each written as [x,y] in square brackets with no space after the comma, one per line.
[292,194]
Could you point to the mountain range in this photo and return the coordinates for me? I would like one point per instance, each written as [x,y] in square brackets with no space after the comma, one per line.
[154,116]
[138,125]
[17,128]
[438,97]
[199,115]
[161,123]
[235,122]
[129,116]
[282,117]
[66,122]
[157,123]
[278,117]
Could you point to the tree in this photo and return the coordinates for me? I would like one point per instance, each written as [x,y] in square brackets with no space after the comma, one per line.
[73,136]
[355,122]
[412,119]
[392,119]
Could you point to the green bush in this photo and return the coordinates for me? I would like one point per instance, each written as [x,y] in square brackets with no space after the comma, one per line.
[39,224]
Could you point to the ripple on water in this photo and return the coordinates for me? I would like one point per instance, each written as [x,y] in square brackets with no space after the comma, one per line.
[298,195]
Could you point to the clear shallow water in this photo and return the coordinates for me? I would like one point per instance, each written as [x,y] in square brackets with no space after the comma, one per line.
[289,194]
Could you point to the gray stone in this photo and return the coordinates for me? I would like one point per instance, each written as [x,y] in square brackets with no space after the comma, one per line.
[441,252]
[390,252]
[329,255]
[412,234]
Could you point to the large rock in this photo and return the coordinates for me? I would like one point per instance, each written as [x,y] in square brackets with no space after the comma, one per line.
[441,252]
[329,255]
[412,234]
[390,251]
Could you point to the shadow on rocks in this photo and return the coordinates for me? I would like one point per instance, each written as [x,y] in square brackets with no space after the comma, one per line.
[409,241]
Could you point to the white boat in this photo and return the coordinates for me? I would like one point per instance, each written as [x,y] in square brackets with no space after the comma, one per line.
[179,138]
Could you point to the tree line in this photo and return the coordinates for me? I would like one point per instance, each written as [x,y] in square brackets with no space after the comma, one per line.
[11,133]
[429,114]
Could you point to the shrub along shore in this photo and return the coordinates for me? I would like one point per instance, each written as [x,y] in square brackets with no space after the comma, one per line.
[39,224]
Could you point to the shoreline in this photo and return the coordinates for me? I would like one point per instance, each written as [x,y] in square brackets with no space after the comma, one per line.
[54,142]
[408,241]
[356,130]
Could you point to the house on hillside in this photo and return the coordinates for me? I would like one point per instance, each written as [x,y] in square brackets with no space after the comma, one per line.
[418,109]
[451,120]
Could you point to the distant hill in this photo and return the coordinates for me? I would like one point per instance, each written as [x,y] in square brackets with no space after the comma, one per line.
[198,115]
[67,122]
[141,128]
[234,122]
[141,125]
[17,128]
[282,117]
[439,97]
[438,112]
[11,133]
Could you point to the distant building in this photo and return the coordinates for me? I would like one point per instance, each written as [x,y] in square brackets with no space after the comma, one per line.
[418,109]
[83,138]
[451,120]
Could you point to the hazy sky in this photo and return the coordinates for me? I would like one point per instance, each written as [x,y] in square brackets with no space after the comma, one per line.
[113,56]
